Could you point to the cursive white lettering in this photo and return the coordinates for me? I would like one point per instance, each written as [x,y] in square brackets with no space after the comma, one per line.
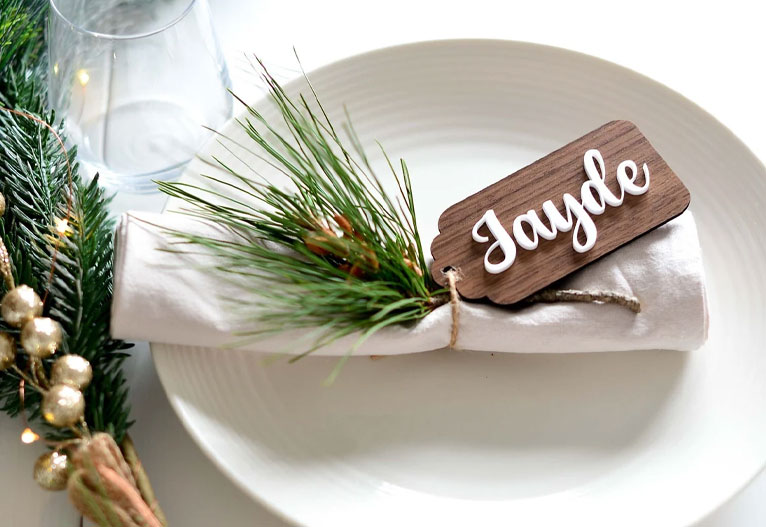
[594,197]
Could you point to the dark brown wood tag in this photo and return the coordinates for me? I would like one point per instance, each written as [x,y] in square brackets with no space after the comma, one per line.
[556,215]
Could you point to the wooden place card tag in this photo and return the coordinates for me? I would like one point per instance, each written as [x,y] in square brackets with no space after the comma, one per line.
[556,215]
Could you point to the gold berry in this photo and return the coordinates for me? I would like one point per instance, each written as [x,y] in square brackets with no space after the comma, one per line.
[41,337]
[52,471]
[63,405]
[7,351]
[20,305]
[72,370]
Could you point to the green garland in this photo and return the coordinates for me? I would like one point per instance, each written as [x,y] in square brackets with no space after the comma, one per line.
[35,182]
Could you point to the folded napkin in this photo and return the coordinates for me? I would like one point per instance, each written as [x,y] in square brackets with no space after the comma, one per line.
[179,299]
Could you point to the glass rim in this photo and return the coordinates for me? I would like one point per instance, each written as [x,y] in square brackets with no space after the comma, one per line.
[107,36]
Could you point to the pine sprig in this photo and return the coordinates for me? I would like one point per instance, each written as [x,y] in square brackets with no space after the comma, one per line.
[35,182]
[33,179]
[334,252]
[82,292]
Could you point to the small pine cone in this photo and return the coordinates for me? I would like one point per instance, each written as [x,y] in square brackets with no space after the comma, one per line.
[356,271]
[352,270]
[344,224]
[412,265]
[312,242]
[326,243]
[371,259]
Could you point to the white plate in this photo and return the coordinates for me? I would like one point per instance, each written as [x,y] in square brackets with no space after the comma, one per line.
[455,439]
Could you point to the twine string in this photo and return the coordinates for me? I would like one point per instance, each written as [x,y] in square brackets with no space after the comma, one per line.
[593,297]
[547,296]
[454,301]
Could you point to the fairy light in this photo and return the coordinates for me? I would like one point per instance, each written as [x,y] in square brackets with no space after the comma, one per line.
[62,225]
[56,69]
[28,436]
[83,77]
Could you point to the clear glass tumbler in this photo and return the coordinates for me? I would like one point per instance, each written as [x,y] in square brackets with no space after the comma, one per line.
[137,83]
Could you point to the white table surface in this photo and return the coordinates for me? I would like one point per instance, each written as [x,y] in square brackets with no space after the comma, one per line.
[713,55]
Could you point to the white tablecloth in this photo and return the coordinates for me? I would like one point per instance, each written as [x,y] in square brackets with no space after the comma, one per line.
[713,55]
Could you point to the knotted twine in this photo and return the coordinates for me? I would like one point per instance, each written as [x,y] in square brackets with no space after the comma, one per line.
[545,296]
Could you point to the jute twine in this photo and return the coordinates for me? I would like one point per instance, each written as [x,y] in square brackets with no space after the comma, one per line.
[545,296]
[454,301]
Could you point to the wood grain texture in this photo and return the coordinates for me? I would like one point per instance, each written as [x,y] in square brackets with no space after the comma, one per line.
[549,178]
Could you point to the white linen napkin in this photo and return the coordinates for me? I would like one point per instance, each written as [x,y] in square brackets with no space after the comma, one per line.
[179,299]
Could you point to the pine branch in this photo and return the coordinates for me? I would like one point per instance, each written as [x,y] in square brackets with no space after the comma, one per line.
[35,182]
[81,291]
[336,252]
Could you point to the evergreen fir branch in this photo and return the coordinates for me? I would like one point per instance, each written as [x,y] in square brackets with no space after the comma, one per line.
[35,182]
[336,252]
[81,291]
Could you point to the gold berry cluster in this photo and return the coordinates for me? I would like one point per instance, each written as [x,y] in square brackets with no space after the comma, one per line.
[40,337]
